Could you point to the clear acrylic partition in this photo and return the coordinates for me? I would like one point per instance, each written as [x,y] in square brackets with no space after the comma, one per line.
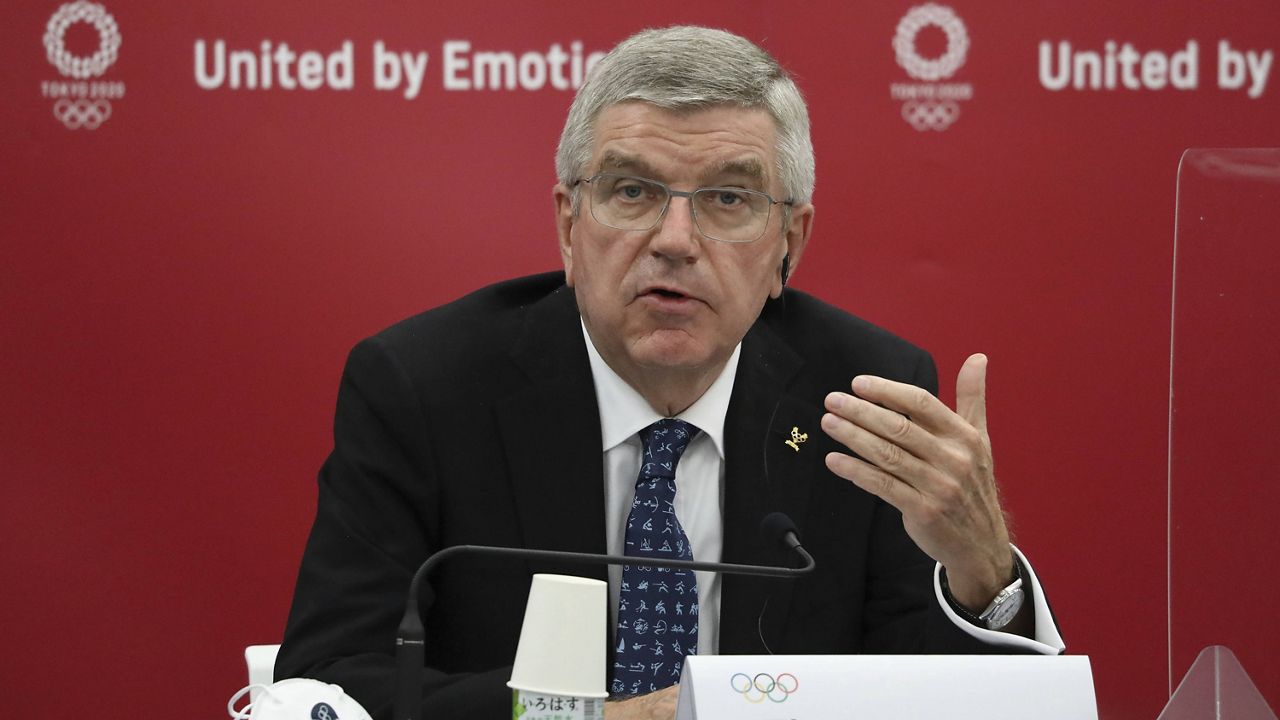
[1216,686]
[1224,424]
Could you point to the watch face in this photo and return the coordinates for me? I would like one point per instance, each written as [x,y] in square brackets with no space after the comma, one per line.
[1005,609]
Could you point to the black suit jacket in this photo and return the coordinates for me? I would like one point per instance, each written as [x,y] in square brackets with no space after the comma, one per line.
[477,423]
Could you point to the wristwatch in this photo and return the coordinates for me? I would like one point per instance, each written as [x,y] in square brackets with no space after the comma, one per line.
[1002,609]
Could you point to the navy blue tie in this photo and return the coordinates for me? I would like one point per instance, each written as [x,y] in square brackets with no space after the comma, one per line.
[657,607]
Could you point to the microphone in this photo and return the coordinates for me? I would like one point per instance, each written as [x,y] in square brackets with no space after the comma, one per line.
[411,636]
[779,525]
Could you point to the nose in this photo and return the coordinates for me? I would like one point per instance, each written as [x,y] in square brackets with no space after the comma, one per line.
[676,236]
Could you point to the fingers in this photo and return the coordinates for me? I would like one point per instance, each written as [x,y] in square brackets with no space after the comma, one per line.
[910,443]
[884,438]
[928,411]
[916,403]
[900,445]
[882,425]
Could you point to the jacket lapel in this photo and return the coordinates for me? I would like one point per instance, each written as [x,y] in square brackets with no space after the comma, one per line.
[763,474]
[551,433]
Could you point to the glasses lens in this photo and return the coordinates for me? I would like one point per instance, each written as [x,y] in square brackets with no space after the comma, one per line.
[726,214]
[625,202]
[731,214]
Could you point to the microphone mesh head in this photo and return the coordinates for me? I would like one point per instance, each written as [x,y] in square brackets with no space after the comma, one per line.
[776,525]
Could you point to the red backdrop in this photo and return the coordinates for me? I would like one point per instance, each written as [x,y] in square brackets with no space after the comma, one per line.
[182,279]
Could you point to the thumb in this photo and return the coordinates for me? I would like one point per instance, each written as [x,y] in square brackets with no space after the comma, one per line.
[971,391]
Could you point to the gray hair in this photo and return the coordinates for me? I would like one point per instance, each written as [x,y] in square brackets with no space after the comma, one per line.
[690,68]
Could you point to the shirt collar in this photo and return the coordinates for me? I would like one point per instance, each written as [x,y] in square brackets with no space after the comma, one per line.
[624,412]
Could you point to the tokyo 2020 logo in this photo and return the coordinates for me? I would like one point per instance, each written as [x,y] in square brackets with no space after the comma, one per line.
[78,102]
[930,104]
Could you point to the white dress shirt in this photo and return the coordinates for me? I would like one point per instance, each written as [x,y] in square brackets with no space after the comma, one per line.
[699,500]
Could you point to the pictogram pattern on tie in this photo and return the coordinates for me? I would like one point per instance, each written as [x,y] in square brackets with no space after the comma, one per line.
[657,607]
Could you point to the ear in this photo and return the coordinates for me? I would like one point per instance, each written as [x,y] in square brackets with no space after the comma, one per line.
[795,238]
[564,228]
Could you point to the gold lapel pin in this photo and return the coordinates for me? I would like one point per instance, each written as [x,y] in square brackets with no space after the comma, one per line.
[797,437]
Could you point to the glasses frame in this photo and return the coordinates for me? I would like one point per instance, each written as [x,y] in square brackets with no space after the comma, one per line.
[693,208]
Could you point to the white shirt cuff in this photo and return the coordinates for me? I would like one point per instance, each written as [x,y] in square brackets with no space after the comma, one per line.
[1047,640]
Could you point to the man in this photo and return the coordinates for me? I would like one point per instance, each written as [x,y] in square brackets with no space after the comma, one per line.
[670,341]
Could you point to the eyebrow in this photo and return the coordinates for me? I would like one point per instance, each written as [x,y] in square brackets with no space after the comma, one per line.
[748,168]
[614,160]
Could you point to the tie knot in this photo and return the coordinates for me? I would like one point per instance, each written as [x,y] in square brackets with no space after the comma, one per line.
[664,442]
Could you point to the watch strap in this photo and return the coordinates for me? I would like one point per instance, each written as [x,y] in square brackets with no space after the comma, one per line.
[965,613]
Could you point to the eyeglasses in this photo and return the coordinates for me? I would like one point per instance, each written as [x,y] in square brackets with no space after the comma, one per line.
[727,214]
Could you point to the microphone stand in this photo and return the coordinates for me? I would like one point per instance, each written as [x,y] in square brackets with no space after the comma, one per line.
[411,636]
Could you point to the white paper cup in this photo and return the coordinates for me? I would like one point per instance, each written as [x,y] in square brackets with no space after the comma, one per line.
[562,643]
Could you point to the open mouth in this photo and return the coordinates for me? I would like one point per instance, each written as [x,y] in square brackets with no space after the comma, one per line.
[668,299]
[661,292]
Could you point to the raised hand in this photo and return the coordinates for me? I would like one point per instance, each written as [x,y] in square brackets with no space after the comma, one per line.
[935,466]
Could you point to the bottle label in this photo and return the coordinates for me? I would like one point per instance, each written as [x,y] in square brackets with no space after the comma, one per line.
[532,706]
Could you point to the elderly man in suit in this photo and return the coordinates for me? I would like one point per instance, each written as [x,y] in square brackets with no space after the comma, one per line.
[658,397]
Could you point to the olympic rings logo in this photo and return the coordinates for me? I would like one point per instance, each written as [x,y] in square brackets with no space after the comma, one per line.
[904,42]
[927,115]
[108,40]
[763,685]
[87,114]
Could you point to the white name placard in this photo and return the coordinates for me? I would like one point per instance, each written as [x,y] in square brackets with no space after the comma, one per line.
[886,687]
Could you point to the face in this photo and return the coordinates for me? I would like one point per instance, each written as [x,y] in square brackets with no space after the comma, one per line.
[669,299]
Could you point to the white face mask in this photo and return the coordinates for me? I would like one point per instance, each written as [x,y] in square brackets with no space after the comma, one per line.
[296,699]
